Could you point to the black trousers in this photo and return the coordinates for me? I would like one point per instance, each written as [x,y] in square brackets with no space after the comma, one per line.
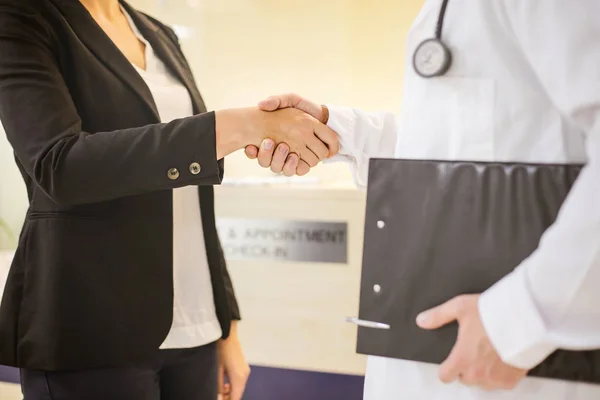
[179,374]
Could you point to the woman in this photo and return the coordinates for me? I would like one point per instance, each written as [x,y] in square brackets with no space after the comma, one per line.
[119,289]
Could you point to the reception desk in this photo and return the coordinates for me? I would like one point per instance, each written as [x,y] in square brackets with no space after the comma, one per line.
[294,254]
[294,311]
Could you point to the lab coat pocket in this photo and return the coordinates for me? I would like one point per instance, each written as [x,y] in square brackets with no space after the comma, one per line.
[448,118]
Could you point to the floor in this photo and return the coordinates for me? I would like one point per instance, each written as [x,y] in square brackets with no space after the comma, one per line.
[264,384]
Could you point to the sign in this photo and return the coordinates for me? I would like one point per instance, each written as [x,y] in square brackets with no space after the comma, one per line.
[284,240]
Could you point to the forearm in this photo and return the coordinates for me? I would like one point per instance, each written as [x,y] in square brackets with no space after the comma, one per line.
[234,130]
[76,167]
[551,300]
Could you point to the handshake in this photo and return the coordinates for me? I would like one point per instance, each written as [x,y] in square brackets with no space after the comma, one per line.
[287,133]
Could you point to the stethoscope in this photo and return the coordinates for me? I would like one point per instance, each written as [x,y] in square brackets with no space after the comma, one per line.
[432,57]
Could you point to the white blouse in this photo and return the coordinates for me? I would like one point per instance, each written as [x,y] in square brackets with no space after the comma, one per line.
[194,315]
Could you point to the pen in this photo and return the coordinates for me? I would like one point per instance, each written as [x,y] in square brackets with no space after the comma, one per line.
[367,324]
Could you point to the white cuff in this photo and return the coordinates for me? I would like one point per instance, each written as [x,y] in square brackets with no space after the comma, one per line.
[513,323]
[342,120]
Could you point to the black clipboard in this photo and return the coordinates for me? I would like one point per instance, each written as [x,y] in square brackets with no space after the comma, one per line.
[438,229]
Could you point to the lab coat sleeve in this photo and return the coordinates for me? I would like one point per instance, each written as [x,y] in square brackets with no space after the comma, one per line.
[362,135]
[552,299]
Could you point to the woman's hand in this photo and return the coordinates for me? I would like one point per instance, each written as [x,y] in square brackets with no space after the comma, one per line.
[233,365]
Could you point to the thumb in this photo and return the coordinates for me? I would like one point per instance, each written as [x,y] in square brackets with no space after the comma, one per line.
[270,104]
[292,100]
[439,316]
[251,152]
[288,100]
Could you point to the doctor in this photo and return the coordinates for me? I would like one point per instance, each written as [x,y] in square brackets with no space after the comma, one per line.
[504,80]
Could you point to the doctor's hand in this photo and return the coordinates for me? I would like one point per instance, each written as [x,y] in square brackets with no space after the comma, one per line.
[473,360]
[293,100]
[233,365]
[280,159]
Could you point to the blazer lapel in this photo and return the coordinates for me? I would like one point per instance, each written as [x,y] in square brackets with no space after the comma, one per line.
[167,49]
[94,38]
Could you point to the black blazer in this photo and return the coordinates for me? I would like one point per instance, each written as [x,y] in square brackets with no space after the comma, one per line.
[91,284]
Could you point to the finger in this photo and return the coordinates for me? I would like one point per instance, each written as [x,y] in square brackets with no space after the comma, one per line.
[265,154]
[226,392]
[320,149]
[488,388]
[510,383]
[221,379]
[467,379]
[327,136]
[270,104]
[475,376]
[451,368]
[310,158]
[439,316]
[290,165]
[303,168]
[282,101]
[280,157]
[251,152]
[501,376]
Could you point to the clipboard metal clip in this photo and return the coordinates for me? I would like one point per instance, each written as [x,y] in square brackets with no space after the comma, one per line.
[367,324]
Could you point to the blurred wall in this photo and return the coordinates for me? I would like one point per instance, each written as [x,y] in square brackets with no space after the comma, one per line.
[347,52]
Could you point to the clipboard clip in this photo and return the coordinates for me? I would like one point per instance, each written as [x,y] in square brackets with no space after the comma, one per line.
[367,324]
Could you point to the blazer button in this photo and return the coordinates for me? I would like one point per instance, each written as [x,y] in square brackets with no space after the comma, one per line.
[173,174]
[195,168]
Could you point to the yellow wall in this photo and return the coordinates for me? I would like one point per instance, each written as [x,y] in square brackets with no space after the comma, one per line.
[348,52]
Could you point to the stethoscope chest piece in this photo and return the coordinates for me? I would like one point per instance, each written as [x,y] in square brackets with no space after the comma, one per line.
[432,58]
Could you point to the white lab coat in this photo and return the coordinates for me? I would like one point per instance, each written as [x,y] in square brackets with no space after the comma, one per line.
[524,86]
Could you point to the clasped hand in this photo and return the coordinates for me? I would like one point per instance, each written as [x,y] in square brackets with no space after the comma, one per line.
[287,156]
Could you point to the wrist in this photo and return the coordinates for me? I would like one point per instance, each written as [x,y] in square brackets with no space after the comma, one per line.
[235,129]
[233,333]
